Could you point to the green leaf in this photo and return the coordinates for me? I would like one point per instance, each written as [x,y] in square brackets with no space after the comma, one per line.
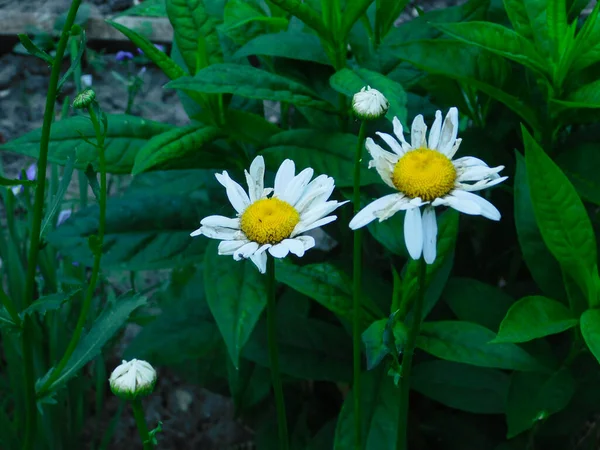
[464,62]
[587,47]
[75,63]
[146,229]
[236,301]
[579,164]
[533,397]
[249,384]
[375,346]
[58,198]
[16,182]
[327,153]
[387,13]
[469,343]
[126,135]
[499,40]
[534,317]
[47,303]
[586,96]
[307,15]
[109,322]
[561,216]
[380,410]
[352,13]
[34,50]
[243,21]
[326,284]
[556,16]
[177,144]
[286,44]
[161,59]
[517,14]
[350,82]
[6,321]
[473,301]
[590,329]
[195,33]
[250,82]
[249,127]
[148,8]
[386,233]
[543,266]
[466,388]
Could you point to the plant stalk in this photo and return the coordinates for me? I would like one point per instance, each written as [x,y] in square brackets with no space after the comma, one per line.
[274,356]
[140,421]
[36,226]
[356,291]
[409,350]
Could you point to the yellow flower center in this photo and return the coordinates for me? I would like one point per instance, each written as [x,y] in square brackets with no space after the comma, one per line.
[269,221]
[424,173]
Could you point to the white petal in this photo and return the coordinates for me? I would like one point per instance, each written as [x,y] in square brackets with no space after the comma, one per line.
[307,241]
[369,213]
[284,175]
[263,248]
[454,149]
[478,173]
[413,233]
[245,251]
[400,205]
[228,247]
[317,191]
[305,226]
[280,250]
[483,184]
[488,210]
[393,143]
[449,132]
[221,221]
[225,234]
[295,246]
[235,193]
[321,210]
[463,206]
[417,132]
[197,232]
[256,178]
[468,161]
[260,261]
[434,133]
[399,132]
[383,161]
[295,188]
[429,234]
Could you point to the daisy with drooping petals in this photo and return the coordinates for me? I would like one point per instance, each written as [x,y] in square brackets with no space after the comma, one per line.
[425,175]
[271,224]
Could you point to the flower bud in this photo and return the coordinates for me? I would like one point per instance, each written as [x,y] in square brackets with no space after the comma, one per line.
[132,379]
[369,104]
[84,99]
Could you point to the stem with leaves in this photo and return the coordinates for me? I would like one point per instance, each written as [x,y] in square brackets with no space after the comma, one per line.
[409,350]
[96,246]
[36,226]
[274,356]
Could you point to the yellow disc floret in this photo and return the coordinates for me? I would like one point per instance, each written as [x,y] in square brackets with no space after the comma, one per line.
[424,173]
[269,220]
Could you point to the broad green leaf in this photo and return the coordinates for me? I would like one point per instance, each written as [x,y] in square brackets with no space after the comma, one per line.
[113,316]
[463,62]
[556,16]
[473,301]
[466,388]
[309,348]
[517,14]
[47,303]
[236,300]
[307,15]
[533,397]
[590,329]
[287,44]
[586,96]
[543,266]
[375,346]
[469,343]
[177,144]
[327,153]
[497,39]
[195,33]
[579,164]
[380,409]
[244,20]
[147,8]
[326,284]
[250,82]
[248,127]
[248,384]
[146,229]
[561,216]
[353,11]
[126,135]
[161,59]
[587,46]
[189,341]
[534,317]
[349,82]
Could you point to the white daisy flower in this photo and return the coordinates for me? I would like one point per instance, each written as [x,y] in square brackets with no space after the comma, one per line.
[424,174]
[369,104]
[274,223]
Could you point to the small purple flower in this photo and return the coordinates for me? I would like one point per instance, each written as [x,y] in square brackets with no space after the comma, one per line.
[62,216]
[30,174]
[158,47]
[123,56]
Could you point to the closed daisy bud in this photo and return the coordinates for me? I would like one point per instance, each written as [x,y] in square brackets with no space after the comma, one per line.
[132,379]
[84,99]
[369,104]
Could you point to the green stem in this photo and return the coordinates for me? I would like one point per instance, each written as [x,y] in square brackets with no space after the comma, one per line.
[274,356]
[356,291]
[36,226]
[140,421]
[409,350]
[87,301]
